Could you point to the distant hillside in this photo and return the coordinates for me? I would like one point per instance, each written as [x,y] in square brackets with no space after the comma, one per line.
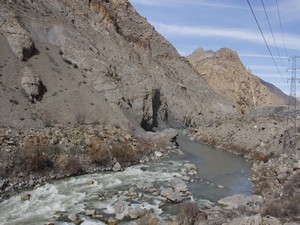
[225,73]
[275,90]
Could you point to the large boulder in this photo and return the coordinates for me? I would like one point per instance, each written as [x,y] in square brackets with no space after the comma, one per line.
[32,84]
[235,201]
[178,185]
[17,37]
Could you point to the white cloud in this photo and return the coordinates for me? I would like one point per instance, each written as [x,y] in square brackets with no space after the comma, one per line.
[254,55]
[265,68]
[291,41]
[271,75]
[208,3]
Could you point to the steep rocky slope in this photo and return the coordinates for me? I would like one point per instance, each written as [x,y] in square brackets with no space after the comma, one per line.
[226,74]
[95,61]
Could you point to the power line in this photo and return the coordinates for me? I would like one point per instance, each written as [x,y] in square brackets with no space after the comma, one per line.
[263,4]
[262,34]
[281,28]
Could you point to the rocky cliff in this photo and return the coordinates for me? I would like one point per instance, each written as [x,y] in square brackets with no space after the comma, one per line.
[95,61]
[226,74]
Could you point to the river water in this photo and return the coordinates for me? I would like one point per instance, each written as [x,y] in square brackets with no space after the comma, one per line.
[219,174]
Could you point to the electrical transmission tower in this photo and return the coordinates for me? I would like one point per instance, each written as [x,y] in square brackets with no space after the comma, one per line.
[291,116]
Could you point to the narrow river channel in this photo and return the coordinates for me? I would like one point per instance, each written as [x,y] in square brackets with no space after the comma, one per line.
[219,174]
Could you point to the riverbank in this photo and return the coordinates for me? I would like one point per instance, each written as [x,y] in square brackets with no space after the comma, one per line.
[259,137]
[29,157]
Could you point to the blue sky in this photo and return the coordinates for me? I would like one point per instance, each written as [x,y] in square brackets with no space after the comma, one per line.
[213,24]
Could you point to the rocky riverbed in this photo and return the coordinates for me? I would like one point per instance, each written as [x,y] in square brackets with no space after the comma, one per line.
[259,137]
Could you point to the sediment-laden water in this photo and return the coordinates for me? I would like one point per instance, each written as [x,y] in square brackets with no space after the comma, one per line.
[219,174]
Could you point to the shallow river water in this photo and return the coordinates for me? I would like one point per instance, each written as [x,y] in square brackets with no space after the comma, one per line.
[219,174]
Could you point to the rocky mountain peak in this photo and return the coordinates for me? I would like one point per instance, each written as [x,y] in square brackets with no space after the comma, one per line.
[225,73]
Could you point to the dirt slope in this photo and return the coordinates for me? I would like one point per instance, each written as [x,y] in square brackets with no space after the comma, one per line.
[95,62]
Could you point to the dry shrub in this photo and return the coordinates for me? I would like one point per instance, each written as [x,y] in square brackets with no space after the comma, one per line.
[274,209]
[124,153]
[187,213]
[261,187]
[73,166]
[98,153]
[36,159]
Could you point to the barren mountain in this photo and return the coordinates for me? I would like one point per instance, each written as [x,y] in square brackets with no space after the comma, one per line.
[95,61]
[226,74]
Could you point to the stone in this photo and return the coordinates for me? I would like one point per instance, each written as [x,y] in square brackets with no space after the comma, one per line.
[121,209]
[73,217]
[89,182]
[171,195]
[269,220]
[89,212]
[2,184]
[235,201]
[112,221]
[136,211]
[178,185]
[32,85]
[158,154]
[25,197]
[190,166]
[148,219]
[253,220]
[18,38]
[117,167]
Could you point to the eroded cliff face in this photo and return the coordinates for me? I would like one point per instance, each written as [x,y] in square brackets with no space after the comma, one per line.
[226,74]
[99,62]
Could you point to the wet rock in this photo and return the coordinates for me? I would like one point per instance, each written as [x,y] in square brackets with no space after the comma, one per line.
[158,154]
[136,211]
[90,212]
[171,195]
[190,166]
[117,167]
[178,185]
[144,185]
[148,219]
[25,197]
[121,209]
[235,201]
[112,221]
[2,184]
[89,182]
[73,217]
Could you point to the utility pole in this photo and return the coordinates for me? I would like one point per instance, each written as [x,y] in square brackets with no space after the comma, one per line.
[291,116]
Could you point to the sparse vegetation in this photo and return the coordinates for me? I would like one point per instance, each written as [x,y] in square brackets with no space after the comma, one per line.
[187,213]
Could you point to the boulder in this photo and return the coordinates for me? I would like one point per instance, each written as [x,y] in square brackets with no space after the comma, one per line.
[73,217]
[171,195]
[235,201]
[178,185]
[253,220]
[117,167]
[168,134]
[32,84]
[25,197]
[190,167]
[18,38]
[136,211]
[121,209]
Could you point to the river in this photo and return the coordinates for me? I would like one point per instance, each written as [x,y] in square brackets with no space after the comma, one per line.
[219,174]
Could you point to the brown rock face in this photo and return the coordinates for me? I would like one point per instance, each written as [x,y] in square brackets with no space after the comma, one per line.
[101,63]
[226,74]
